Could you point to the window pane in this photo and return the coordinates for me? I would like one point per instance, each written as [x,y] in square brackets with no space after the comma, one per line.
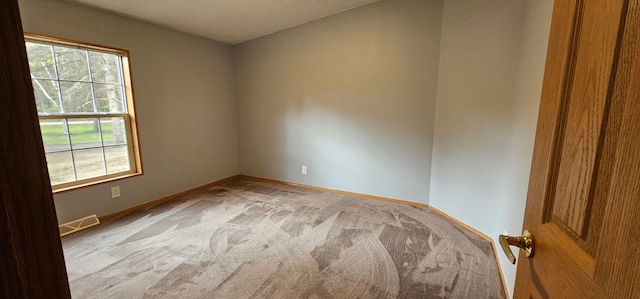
[60,167]
[108,98]
[89,163]
[114,131]
[47,96]
[72,64]
[117,158]
[73,80]
[41,60]
[85,133]
[77,97]
[104,67]
[55,135]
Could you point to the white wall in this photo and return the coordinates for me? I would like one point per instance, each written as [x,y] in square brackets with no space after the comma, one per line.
[185,103]
[491,70]
[351,96]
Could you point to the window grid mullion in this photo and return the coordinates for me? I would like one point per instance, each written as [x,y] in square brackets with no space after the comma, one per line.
[68,80]
[65,123]
[93,94]
[123,104]
[57,79]
[104,155]
[67,119]
[79,115]
[95,110]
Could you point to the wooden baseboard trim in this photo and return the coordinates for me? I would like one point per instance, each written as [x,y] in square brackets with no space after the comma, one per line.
[487,238]
[406,202]
[504,283]
[163,199]
[367,196]
[255,178]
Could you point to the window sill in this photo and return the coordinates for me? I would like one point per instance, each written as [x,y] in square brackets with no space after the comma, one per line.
[58,190]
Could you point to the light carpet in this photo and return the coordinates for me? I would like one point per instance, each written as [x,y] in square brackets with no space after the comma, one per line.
[253,239]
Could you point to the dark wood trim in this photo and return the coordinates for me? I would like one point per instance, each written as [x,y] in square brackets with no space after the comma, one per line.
[31,259]
[161,200]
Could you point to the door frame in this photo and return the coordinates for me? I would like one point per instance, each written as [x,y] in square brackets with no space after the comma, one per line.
[31,258]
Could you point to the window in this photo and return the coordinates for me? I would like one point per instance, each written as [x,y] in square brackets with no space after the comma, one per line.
[85,105]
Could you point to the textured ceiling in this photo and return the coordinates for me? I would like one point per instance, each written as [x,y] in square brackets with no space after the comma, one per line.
[227,21]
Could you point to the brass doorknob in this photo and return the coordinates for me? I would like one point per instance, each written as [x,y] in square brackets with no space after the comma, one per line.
[524,242]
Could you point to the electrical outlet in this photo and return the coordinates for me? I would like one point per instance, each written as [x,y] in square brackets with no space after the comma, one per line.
[304,169]
[115,192]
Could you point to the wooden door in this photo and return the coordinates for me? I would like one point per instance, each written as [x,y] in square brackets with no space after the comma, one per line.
[583,205]
[31,260]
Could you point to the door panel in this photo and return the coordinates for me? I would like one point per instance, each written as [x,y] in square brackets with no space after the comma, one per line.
[586,89]
[584,190]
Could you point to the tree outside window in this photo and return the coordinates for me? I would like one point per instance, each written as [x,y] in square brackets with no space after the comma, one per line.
[81,94]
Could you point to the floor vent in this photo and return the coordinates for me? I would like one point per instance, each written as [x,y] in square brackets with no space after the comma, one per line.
[78,225]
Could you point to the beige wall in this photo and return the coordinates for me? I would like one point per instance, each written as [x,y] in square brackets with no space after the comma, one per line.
[490,81]
[351,96]
[185,101]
